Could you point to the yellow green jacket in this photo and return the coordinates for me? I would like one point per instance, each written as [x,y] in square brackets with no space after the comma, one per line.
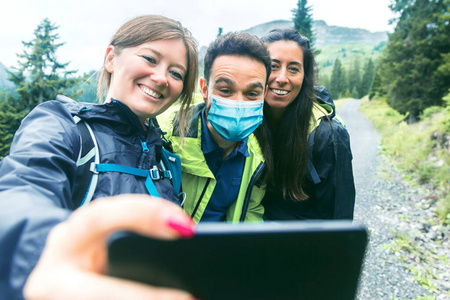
[198,181]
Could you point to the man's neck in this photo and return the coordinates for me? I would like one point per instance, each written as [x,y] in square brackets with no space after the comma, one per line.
[220,141]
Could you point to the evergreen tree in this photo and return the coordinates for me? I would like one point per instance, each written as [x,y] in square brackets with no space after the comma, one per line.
[338,86]
[40,76]
[303,22]
[324,80]
[367,79]
[10,118]
[375,88]
[411,64]
[343,84]
[220,31]
[354,94]
[354,79]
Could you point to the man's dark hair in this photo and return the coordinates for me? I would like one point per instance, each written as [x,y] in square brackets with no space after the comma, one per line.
[239,44]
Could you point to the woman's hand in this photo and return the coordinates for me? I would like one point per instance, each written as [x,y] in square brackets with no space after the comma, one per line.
[72,265]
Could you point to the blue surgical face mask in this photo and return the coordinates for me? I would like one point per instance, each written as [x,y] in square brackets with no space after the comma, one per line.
[234,120]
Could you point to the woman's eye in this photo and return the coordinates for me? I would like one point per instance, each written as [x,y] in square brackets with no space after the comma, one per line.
[294,69]
[177,75]
[149,59]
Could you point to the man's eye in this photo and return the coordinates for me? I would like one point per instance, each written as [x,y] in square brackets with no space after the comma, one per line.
[149,59]
[274,66]
[177,75]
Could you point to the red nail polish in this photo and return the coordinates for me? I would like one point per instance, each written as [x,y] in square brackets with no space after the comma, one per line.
[184,230]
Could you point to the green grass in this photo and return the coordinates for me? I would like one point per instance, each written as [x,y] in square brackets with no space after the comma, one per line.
[405,244]
[338,103]
[418,150]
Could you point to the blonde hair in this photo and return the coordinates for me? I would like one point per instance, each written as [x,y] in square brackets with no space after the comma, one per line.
[148,28]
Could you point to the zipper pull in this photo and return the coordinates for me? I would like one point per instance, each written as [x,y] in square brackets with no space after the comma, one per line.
[145,150]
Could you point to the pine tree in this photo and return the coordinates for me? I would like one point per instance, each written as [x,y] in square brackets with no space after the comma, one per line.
[303,21]
[367,79]
[10,118]
[40,76]
[354,79]
[375,88]
[220,31]
[338,86]
[413,55]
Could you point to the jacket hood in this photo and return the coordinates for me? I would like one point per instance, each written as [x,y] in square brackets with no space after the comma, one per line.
[324,99]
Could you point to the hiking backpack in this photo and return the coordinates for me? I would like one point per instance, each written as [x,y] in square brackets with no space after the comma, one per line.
[88,162]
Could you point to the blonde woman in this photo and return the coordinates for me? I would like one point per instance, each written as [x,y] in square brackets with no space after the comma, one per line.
[150,63]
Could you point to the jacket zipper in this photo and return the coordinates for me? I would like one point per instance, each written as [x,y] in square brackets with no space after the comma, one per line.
[200,198]
[145,149]
[248,193]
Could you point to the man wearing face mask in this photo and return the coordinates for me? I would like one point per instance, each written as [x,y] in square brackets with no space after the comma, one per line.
[221,160]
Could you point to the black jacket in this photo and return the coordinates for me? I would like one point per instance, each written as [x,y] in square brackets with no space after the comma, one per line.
[334,196]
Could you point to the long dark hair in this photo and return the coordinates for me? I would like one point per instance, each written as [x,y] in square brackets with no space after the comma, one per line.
[285,149]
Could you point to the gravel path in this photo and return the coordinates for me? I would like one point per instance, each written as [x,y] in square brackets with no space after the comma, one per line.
[387,207]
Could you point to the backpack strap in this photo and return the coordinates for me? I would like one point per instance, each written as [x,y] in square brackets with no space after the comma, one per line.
[89,162]
[170,168]
[309,164]
[173,163]
[85,185]
[153,174]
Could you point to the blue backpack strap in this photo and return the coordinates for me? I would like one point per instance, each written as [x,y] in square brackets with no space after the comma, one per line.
[173,163]
[153,174]
[309,164]
[85,185]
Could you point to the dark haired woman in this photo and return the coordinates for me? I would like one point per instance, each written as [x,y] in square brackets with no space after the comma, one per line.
[307,148]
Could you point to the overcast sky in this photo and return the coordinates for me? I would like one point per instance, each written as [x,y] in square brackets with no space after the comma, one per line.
[86,26]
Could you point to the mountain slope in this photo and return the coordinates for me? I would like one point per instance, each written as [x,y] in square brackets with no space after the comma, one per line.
[326,35]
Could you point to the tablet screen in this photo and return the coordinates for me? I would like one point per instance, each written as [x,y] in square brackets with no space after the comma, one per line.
[280,260]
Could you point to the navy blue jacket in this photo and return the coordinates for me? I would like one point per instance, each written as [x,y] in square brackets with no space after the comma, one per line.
[37,179]
[332,192]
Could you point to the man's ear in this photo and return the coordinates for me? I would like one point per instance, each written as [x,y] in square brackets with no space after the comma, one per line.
[109,59]
[204,89]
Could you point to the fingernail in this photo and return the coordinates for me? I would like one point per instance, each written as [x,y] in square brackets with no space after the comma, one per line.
[185,230]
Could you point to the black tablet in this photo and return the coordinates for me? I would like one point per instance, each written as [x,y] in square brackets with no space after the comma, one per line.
[282,260]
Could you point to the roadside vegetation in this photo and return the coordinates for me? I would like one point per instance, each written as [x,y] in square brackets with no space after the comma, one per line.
[420,151]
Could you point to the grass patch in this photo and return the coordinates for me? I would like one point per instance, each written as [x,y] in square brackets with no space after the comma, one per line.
[406,249]
[420,150]
[338,103]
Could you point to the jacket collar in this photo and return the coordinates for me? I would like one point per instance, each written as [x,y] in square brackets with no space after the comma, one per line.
[113,111]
